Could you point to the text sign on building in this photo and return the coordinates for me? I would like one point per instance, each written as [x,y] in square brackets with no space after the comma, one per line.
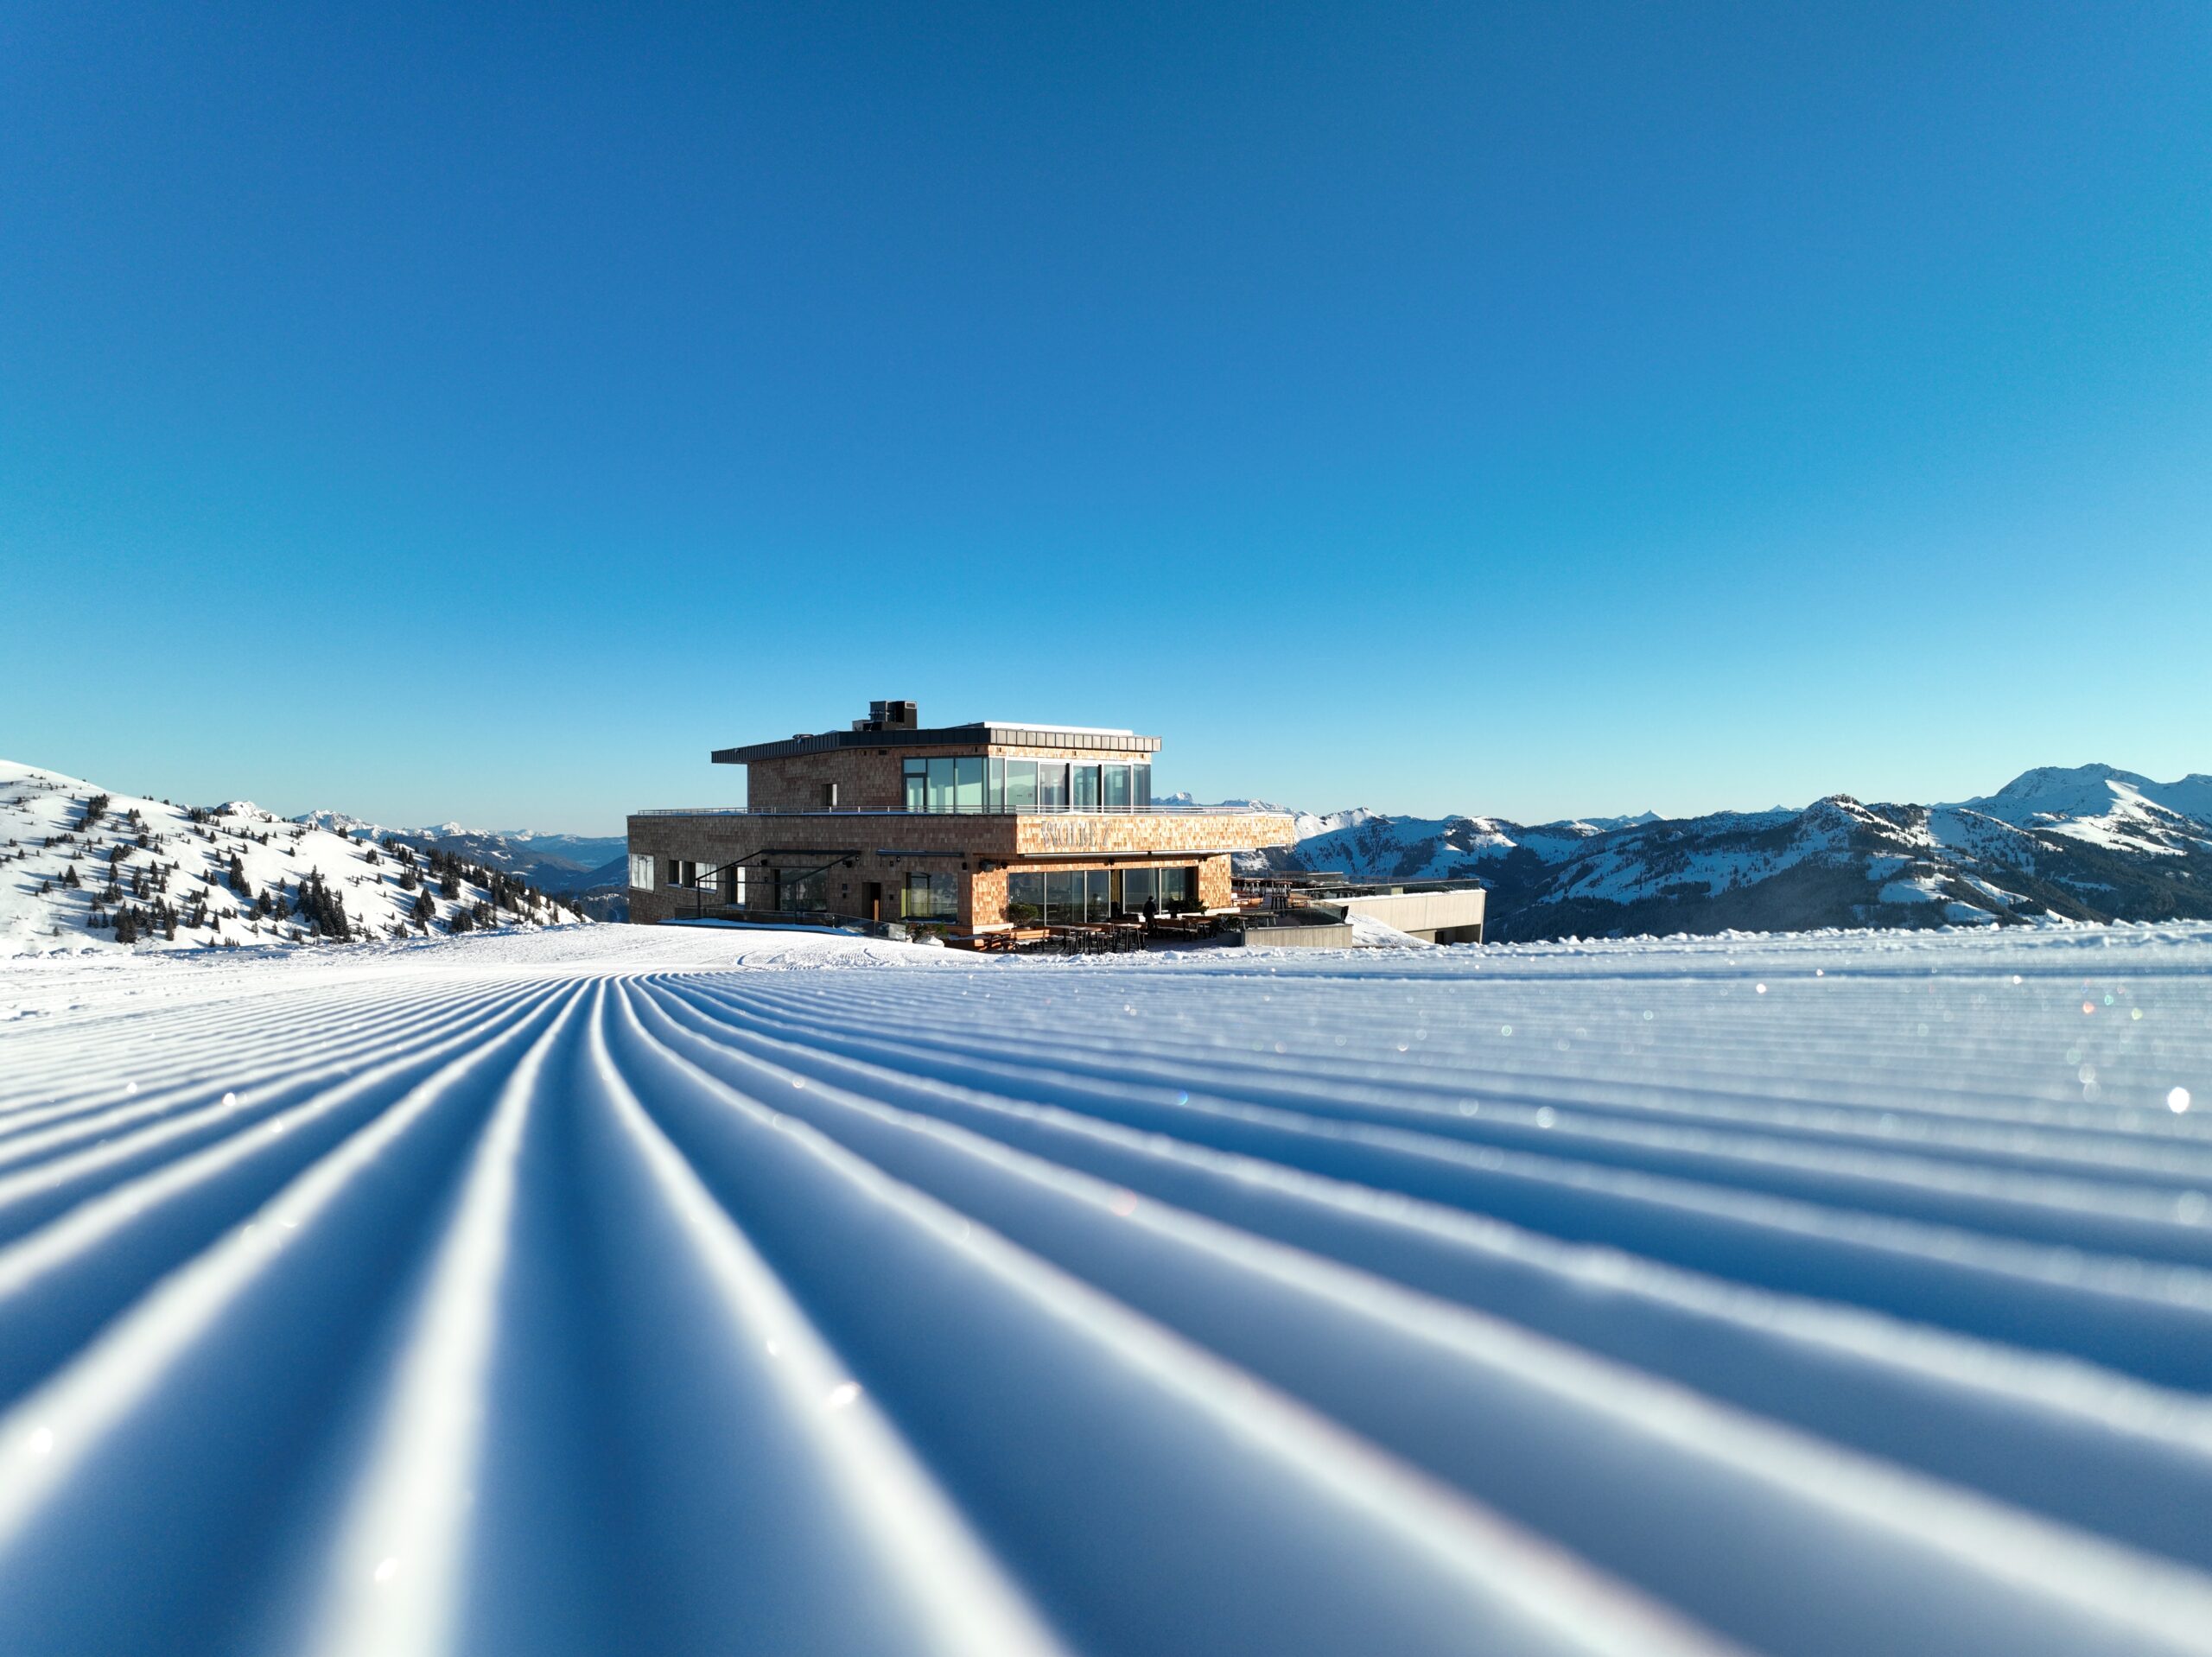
[1068,835]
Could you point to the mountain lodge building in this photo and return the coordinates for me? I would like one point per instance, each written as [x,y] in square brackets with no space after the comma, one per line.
[976,827]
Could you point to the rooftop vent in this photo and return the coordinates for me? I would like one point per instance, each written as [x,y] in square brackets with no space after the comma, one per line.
[888,716]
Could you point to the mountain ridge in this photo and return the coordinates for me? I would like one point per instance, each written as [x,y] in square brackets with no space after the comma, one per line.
[2079,843]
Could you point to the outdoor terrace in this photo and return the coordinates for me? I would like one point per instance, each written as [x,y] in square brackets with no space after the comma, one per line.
[955,811]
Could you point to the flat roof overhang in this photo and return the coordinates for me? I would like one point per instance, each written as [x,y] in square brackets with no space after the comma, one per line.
[984,732]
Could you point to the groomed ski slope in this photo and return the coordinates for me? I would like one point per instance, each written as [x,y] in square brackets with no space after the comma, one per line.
[617,1290]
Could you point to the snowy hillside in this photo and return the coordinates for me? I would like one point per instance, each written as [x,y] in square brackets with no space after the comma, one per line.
[555,863]
[81,866]
[2089,843]
[660,1291]
[589,874]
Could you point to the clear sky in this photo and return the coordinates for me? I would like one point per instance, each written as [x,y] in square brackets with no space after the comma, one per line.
[1535,409]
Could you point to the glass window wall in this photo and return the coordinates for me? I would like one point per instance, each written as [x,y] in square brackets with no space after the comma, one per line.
[930,897]
[971,783]
[801,891]
[1072,897]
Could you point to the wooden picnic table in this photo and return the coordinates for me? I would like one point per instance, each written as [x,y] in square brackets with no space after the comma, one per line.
[986,938]
[1086,936]
[1195,926]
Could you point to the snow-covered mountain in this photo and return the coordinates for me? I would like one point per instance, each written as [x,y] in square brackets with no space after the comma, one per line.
[589,873]
[2103,806]
[82,866]
[2088,842]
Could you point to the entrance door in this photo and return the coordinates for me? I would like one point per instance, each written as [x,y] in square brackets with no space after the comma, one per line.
[872,900]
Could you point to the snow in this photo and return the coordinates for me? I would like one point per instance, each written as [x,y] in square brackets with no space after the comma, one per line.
[2105,806]
[1371,932]
[678,1289]
[182,857]
[1921,889]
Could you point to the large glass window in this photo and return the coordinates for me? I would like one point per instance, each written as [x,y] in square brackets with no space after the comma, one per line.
[801,891]
[641,871]
[953,782]
[974,783]
[931,897]
[701,877]
[1025,895]
[1072,896]
[1058,785]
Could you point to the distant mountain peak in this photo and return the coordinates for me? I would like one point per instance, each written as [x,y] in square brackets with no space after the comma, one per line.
[2058,843]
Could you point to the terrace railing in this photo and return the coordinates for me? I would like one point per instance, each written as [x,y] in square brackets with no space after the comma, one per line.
[713,909]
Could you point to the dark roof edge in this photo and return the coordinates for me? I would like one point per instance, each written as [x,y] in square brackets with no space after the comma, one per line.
[1027,736]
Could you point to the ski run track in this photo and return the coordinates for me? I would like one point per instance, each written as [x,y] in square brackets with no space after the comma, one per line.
[622,1291]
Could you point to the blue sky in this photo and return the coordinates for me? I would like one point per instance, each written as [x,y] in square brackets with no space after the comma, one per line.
[1535,410]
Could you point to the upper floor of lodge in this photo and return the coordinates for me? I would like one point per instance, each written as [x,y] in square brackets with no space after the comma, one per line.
[890,762]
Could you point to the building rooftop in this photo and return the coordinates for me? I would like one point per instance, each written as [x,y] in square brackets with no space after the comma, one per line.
[882,733]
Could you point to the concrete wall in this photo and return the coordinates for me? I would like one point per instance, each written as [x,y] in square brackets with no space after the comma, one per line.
[1337,935]
[1423,913]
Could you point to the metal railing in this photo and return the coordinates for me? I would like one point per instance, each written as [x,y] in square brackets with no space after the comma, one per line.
[819,918]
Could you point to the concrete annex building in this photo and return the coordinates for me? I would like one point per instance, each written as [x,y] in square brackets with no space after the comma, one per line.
[975,827]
